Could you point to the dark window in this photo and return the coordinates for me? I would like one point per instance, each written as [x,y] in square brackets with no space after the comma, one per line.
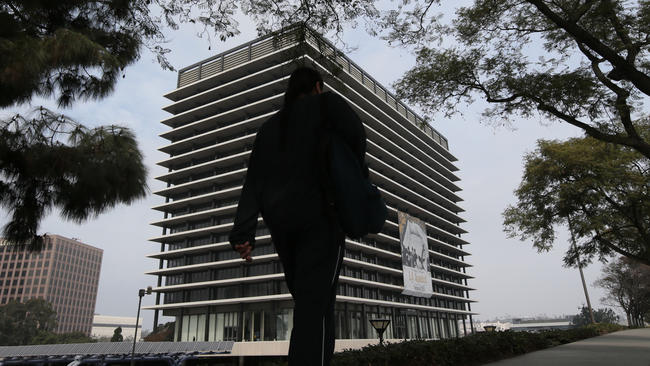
[259,289]
[228,292]
[226,273]
[200,276]
[261,269]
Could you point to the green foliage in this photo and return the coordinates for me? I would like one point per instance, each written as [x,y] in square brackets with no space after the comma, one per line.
[476,349]
[117,335]
[89,172]
[627,284]
[20,323]
[162,333]
[580,62]
[601,316]
[603,328]
[62,338]
[601,191]
[74,49]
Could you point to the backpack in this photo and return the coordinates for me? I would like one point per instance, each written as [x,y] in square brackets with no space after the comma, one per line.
[354,200]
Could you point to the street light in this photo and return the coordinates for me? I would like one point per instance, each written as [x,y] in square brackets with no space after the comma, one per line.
[141,294]
[380,326]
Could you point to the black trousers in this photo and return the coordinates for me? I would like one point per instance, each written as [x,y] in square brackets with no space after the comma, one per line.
[312,259]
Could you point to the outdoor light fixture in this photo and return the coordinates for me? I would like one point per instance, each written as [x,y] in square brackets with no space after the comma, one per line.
[141,294]
[380,326]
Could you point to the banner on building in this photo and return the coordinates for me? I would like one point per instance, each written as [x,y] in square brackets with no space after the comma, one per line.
[415,256]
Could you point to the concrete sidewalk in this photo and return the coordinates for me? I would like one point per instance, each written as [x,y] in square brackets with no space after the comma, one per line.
[624,348]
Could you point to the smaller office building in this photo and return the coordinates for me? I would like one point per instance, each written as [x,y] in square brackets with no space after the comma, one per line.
[104,326]
[65,273]
[537,324]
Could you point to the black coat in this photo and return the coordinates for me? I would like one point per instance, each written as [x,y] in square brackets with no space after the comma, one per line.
[283,181]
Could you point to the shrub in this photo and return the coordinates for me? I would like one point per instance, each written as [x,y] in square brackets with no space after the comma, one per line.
[603,328]
[475,349]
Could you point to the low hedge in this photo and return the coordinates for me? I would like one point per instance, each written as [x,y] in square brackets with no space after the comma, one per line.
[603,328]
[476,349]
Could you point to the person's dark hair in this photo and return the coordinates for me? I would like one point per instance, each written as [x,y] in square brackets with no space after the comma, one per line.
[301,82]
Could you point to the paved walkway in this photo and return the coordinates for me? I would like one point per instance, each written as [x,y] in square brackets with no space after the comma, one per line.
[624,348]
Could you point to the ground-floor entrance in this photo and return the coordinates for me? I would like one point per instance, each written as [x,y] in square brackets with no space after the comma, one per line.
[274,321]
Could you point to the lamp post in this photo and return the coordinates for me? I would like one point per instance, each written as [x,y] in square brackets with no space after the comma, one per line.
[490,328]
[380,326]
[141,294]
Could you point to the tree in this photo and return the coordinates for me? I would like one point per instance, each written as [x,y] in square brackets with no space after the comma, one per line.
[627,284]
[70,50]
[117,335]
[84,175]
[73,51]
[600,191]
[162,333]
[590,69]
[44,337]
[21,322]
[604,315]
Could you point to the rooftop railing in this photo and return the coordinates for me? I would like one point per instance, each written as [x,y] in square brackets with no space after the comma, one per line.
[273,42]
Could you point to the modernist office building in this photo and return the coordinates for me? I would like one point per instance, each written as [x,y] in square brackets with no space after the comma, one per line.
[217,107]
[65,273]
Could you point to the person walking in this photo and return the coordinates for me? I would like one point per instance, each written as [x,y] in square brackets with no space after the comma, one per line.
[285,183]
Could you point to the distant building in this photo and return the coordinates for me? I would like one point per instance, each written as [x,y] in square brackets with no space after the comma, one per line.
[536,324]
[104,326]
[525,324]
[65,273]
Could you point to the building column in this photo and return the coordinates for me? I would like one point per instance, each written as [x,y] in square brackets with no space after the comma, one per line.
[464,327]
[364,322]
[207,324]
[437,321]
[179,325]
[407,334]
[241,323]
[346,321]
[429,325]
[392,314]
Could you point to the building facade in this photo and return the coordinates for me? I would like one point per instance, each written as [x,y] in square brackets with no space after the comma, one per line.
[65,273]
[104,326]
[217,107]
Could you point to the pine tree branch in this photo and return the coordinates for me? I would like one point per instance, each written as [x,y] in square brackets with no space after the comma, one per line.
[17,12]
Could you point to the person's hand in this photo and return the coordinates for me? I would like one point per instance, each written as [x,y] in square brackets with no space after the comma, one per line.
[244,251]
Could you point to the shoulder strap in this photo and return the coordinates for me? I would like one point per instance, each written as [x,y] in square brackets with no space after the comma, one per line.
[324,146]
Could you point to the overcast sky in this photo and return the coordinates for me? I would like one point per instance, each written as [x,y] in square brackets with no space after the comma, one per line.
[511,278]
